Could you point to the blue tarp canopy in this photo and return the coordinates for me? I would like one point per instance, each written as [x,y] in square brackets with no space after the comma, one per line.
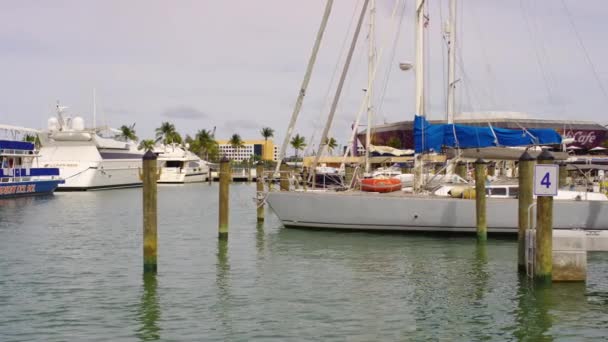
[16,145]
[432,137]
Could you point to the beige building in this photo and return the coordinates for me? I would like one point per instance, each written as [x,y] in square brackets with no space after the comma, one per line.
[265,149]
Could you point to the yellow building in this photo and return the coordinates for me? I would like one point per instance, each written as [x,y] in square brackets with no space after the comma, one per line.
[266,149]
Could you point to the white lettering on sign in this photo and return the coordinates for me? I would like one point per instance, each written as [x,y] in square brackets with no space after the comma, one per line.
[582,137]
[545,180]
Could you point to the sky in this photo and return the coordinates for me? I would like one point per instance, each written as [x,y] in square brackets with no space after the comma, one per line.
[237,65]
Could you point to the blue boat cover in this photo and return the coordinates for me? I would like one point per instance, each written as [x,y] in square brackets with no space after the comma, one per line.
[16,145]
[432,137]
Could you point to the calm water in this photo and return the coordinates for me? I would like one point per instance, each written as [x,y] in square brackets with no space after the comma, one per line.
[71,269]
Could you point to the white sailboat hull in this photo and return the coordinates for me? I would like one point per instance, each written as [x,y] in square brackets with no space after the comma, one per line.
[402,212]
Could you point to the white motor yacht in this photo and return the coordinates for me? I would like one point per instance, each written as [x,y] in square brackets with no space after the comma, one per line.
[178,165]
[86,160]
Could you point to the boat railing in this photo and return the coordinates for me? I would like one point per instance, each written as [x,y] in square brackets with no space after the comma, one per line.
[27,179]
[13,152]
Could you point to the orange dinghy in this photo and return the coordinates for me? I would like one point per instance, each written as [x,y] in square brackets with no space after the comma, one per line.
[380,185]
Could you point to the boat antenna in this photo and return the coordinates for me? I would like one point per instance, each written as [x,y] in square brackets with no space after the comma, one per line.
[302,92]
[94,110]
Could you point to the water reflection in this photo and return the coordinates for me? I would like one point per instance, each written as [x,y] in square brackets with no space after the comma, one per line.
[540,306]
[480,270]
[149,310]
[222,281]
[259,239]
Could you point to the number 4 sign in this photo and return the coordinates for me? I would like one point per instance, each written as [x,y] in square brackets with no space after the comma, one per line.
[545,180]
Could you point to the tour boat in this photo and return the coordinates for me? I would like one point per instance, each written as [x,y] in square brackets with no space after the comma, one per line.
[19,175]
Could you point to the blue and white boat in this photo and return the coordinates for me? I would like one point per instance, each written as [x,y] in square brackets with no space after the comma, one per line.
[18,174]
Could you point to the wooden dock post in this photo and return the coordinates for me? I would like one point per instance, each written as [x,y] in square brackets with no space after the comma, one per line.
[349,174]
[563,175]
[305,178]
[543,267]
[210,179]
[259,177]
[249,176]
[480,199]
[284,177]
[492,169]
[525,199]
[149,176]
[461,169]
[225,177]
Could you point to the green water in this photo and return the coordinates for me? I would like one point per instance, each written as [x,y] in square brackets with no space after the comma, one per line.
[71,270]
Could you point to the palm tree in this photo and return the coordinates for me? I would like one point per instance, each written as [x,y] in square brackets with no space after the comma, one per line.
[146,144]
[266,132]
[206,141]
[127,133]
[394,142]
[236,142]
[168,134]
[298,142]
[331,144]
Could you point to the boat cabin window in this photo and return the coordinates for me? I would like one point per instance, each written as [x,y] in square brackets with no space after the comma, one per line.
[193,164]
[514,192]
[499,191]
[174,163]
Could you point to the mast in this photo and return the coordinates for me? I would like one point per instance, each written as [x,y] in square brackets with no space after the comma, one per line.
[370,82]
[419,69]
[451,33]
[311,63]
[419,63]
[334,104]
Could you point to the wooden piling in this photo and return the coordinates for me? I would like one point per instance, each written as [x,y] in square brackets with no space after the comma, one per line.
[461,169]
[249,176]
[349,173]
[225,177]
[525,199]
[544,231]
[563,174]
[149,176]
[480,199]
[259,174]
[492,169]
[284,176]
[210,179]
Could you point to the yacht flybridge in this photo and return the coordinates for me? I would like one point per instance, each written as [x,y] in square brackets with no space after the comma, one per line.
[85,159]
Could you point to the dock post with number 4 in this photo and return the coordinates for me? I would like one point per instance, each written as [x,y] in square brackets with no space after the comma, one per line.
[545,187]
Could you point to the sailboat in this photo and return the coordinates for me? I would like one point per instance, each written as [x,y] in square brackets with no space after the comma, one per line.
[399,211]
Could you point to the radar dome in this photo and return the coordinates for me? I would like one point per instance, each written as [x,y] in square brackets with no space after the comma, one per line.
[78,124]
[53,124]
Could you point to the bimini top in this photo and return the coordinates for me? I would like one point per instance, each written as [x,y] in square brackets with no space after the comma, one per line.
[16,145]
[432,137]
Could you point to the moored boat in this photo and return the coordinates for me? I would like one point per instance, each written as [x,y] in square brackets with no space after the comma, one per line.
[19,177]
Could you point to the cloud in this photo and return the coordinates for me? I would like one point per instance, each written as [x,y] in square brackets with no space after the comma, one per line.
[243,124]
[184,112]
